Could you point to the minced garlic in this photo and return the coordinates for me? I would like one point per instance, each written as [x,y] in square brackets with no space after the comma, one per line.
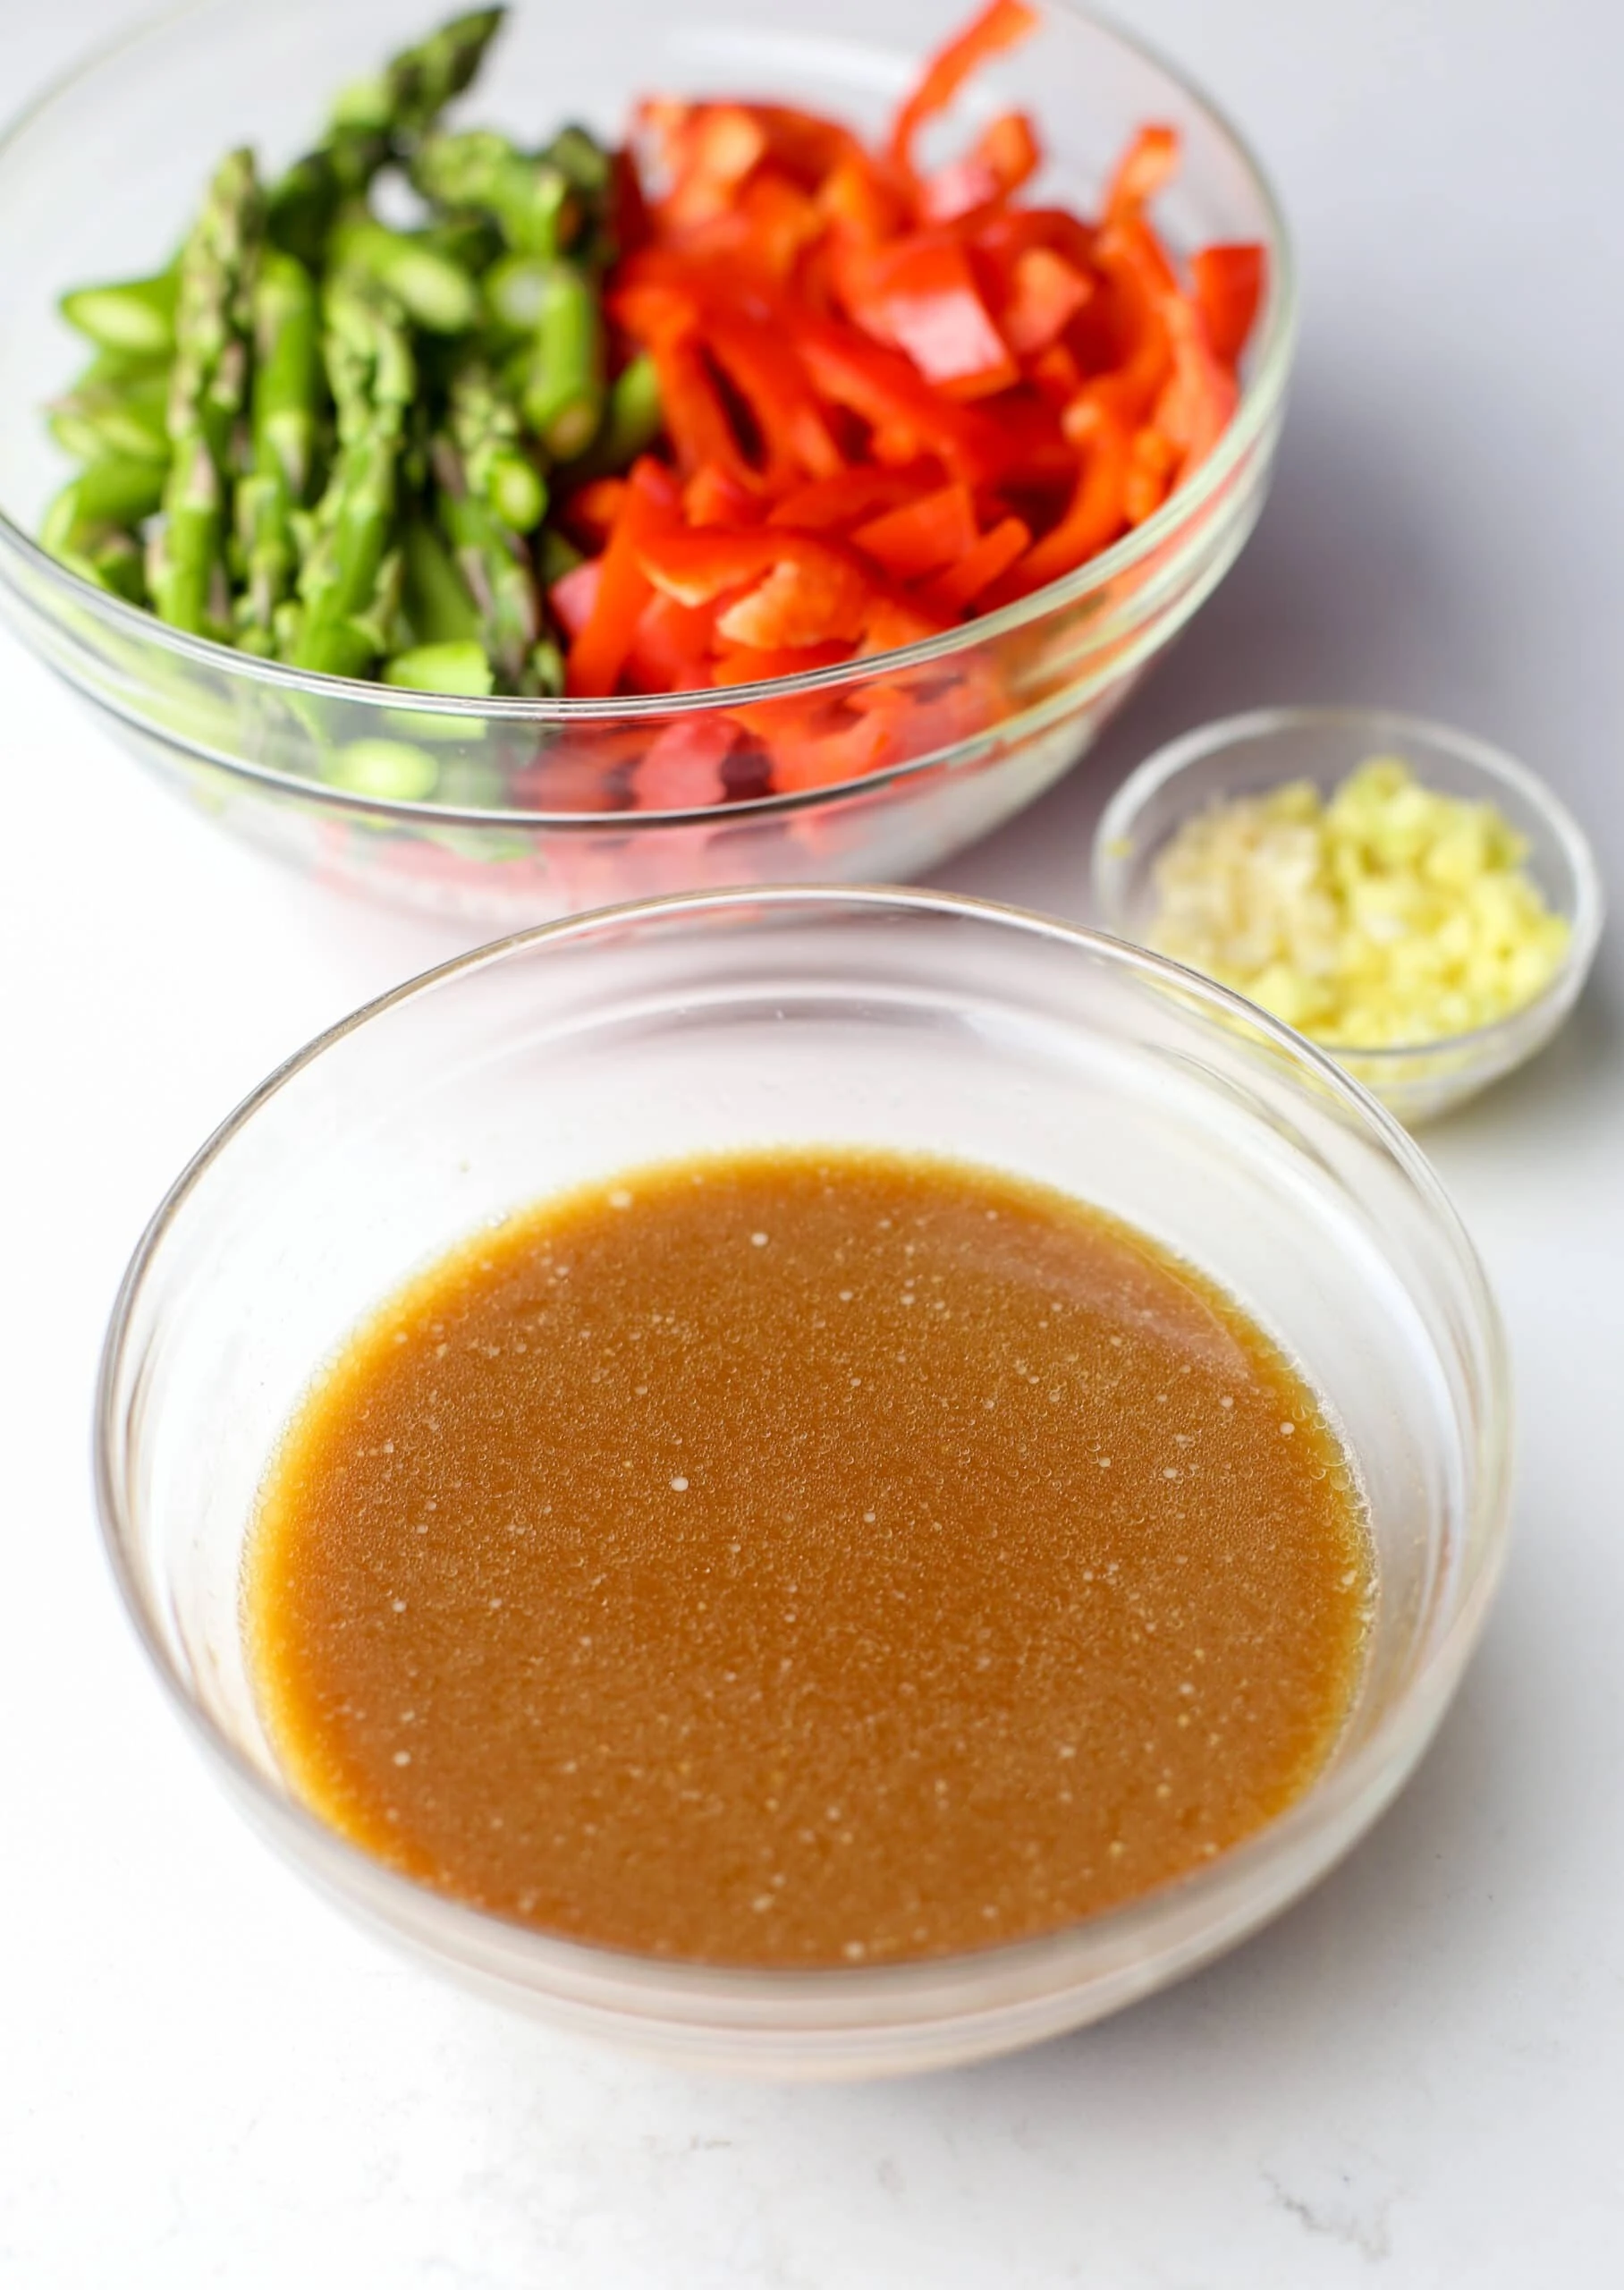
[1391,914]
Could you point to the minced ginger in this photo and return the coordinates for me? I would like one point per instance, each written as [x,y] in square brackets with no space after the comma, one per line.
[1390,914]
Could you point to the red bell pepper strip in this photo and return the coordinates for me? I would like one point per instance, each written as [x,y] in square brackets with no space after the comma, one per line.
[922,536]
[1153,464]
[1004,25]
[1046,292]
[1197,404]
[681,770]
[670,648]
[599,651]
[1000,162]
[1227,283]
[803,600]
[854,494]
[767,374]
[1149,164]
[714,496]
[920,295]
[991,557]
[888,391]
[1093,521]
[743,664]
[696,418]
[574,594]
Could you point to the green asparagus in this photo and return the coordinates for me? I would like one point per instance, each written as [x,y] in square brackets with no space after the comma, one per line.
[373,121]
[530,200]
[137,315]
[487,432]
[496,566]
[435,596]
[125,418]
[432,288]
[328,440]
[288,394]
[350,582]
[458,668]
[186,568]
[563,386]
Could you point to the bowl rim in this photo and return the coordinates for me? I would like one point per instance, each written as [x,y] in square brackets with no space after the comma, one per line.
[1172,1925]
[1392,726]
[1262,392]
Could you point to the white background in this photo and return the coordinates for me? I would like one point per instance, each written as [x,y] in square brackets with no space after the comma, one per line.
[1417,2077]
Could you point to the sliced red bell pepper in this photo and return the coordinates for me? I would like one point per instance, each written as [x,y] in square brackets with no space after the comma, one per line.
[920,295]
[743,664]
[1046,292]
[714,496]
[826,754]
[1198,402]
[803,600]
[766,371]
[991,557]
[1002,25]
[885,389]
[681,770]
[573,595]
[1153,464]
[696,418]
[1000,162]
[799,589]
[710,150]
[850,495]
[670,648]
[856,200]
[891,622]
[1094,520]
[599,652]
[1227,283]
[922,536]
[593,509]
[1149,162]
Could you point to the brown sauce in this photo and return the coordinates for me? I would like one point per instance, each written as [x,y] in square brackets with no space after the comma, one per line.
[807,1557]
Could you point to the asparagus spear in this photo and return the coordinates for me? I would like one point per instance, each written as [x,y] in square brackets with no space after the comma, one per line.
[350,582]
[630,423]
[486,428]
[432,288]
[461,668]
[375,120]
[186,563]
[287,395]
[496,564]
[435,599]
[563,388]
[89,526]
[136,315]
[530,200]
[104,417]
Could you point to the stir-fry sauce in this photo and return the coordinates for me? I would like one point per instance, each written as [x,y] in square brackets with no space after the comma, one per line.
[807,1557]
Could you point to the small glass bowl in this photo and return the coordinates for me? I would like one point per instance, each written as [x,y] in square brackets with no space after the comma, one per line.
[508,811]
[879,1018]
[1247,755]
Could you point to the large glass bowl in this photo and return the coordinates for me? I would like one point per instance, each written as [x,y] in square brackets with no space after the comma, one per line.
[884,1019]
[513,822]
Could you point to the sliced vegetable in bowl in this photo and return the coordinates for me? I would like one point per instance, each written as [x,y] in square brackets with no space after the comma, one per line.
[747,398]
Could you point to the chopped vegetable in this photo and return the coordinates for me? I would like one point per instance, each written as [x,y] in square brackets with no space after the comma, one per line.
[745,399]
[1390,915]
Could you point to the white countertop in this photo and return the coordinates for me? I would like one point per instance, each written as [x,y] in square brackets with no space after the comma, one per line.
[1417,2077]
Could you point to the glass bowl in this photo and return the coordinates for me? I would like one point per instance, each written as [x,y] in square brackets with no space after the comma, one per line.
[516,816]
[879,1018]
[1246,755]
